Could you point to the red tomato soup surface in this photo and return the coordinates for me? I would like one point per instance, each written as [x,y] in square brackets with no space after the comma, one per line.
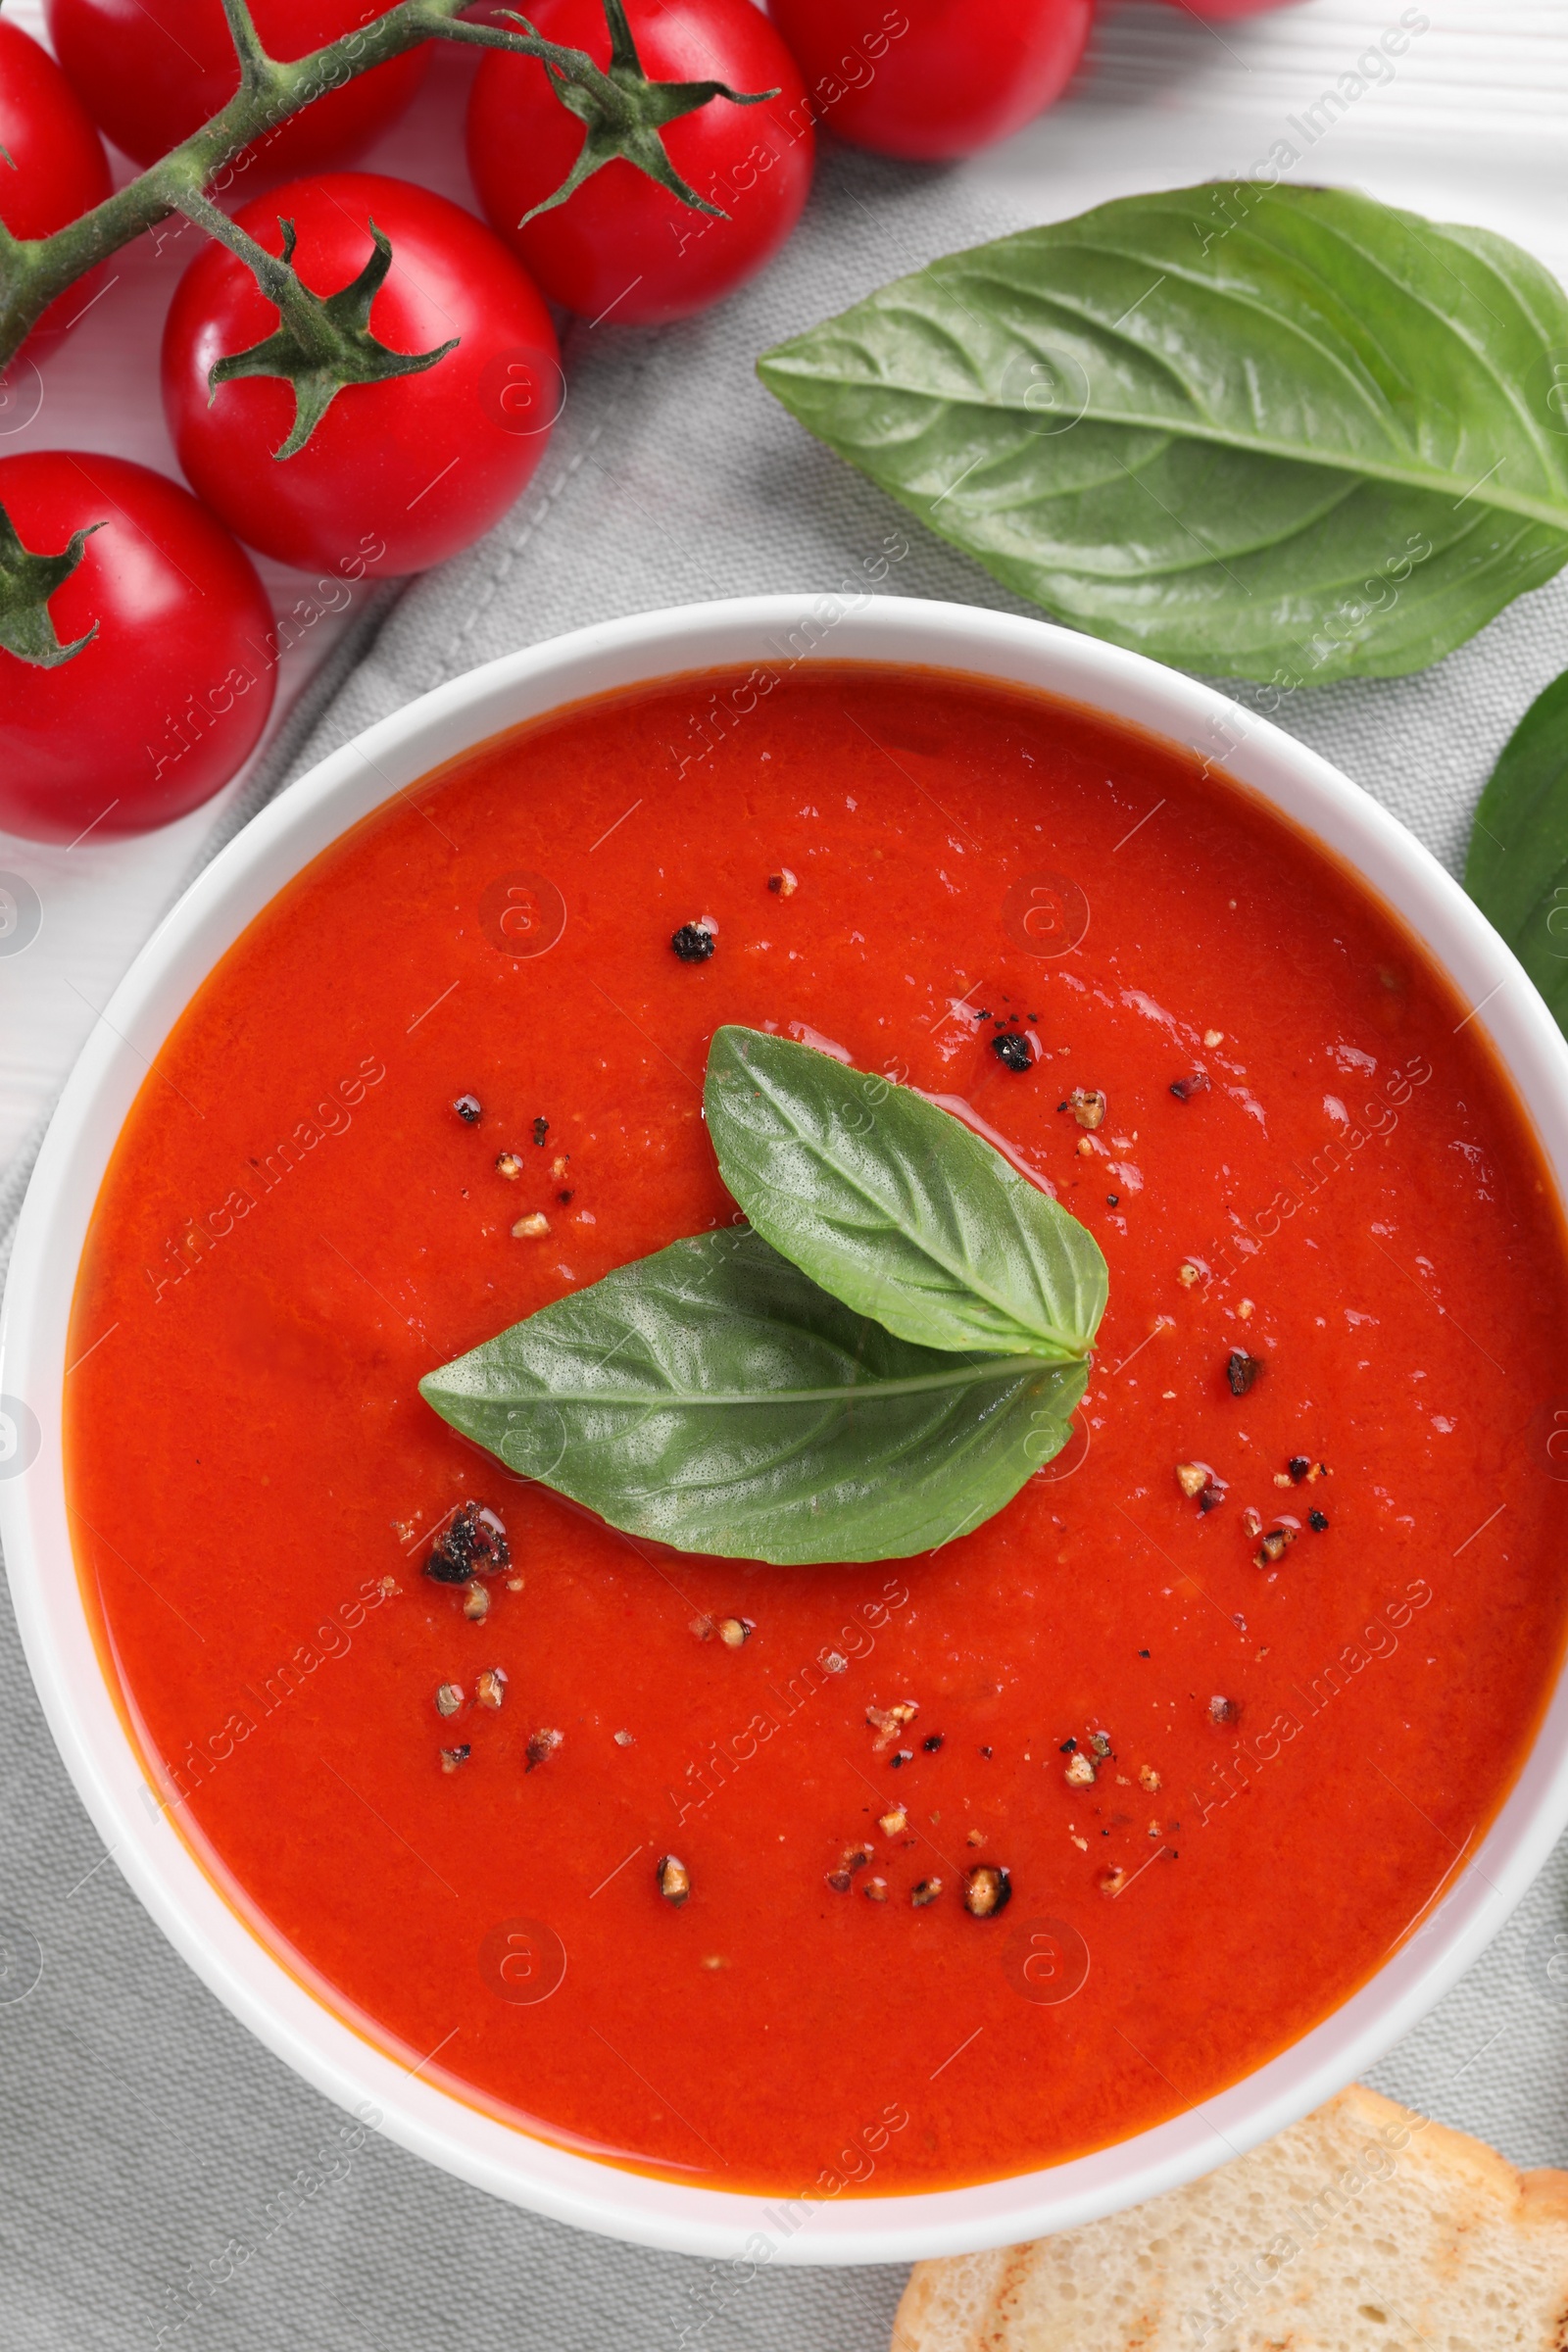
[1279,1761]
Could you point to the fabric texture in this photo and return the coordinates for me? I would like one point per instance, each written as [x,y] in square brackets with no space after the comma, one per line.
[145,2132]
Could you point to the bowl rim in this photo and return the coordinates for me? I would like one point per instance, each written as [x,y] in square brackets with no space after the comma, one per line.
[769,633]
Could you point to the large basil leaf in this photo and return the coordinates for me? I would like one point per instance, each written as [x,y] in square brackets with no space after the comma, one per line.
[1279,433]
[1517,866]
[713,1397]
[896,1206]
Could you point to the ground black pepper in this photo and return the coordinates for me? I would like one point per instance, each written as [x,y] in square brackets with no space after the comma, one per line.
[472,1544]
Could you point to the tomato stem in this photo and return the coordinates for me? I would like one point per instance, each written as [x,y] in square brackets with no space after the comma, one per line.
[255,66]
[34,272]
[622,111]
[322,342]
[26,583]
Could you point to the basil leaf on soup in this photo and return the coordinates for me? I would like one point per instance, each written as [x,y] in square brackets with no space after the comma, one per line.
[896,1206]
[712,1396]
[1516,869]
[1266,432]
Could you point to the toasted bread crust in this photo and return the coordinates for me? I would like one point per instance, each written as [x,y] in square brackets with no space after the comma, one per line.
[1366,2225]
[950,2304]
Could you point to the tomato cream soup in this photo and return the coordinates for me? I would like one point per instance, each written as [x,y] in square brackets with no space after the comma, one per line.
[1229,1690]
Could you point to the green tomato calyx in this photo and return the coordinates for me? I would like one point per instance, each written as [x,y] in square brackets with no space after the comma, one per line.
[623,113]
[323,343]
[26,583]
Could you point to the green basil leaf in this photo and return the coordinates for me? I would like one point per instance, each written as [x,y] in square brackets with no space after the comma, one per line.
[896,1206]
[713,1397]
[1517,866]
[1282,433]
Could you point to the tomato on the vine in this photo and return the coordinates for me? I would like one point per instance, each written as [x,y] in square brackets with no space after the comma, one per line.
[425,460]
[136,670]
[151,72]
[624,242]
[56,166]
[932,79]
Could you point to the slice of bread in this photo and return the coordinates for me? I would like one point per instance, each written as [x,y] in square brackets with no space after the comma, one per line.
[1364,2228]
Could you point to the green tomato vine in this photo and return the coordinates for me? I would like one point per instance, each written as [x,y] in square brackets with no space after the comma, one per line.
[624,112]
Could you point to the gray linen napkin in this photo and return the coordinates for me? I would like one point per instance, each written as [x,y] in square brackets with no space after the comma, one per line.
[145,2133]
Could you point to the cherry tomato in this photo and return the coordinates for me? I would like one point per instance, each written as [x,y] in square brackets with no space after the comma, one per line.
[426,463]
[151,72]
[56,166]
[933,78]
[621,244]
[165,700]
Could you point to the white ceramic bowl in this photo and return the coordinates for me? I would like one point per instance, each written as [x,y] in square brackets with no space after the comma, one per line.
[32,1369]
